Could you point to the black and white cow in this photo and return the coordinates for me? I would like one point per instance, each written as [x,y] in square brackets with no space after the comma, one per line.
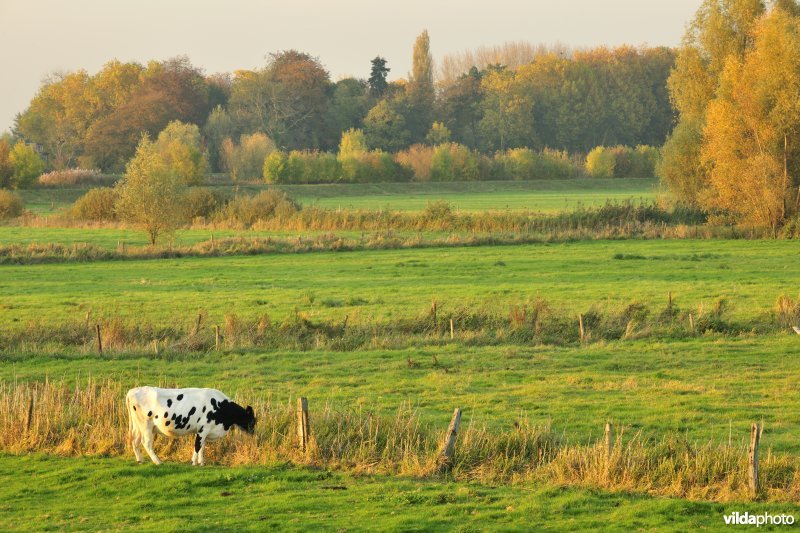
[207,413]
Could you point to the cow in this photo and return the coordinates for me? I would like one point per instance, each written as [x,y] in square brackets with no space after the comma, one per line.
[206,413]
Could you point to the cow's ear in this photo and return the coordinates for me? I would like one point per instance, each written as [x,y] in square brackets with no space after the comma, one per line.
[249,410]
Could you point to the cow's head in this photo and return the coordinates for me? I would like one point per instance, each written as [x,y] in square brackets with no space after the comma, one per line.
[249,422]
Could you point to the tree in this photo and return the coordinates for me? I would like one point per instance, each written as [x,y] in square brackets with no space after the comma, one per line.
[507,112]
[439,134]
[377,77]
[752,125]
[349,104]
[287,100]
[150,195]
[6,168]
[245,161]
[181,148]
[721,31]
[218,127]
[26,165]
[385,127]
[169,90]
[459,108]
[420,90]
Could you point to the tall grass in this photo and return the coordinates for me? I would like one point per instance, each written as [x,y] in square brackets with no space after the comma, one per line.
[88,418]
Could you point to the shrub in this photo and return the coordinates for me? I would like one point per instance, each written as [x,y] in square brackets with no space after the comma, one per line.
[201,202]
[601,162]
[71,177]
[27,165]
[275,167]
[97,205]
[417,159]
[312,167]
[246,161]
[248,210]
[452,161]
[11,205]
[525,164]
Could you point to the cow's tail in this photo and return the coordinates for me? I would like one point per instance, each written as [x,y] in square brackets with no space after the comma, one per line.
[129,401]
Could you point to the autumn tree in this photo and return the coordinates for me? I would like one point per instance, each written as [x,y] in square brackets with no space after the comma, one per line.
[287,100]
[151,193]
[752,126]
[721,30]
[169,90]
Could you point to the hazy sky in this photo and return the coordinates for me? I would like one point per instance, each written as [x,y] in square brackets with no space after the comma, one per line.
[40,36]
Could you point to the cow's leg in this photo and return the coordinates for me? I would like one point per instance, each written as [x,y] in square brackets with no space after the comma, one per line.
[199,446]
[136,442]
[148,444]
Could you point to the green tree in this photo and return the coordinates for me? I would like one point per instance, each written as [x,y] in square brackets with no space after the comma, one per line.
[420,89]
[377,77]
[218,127]
[385,127]
[150,195]
[349,105]
[26,165]
[180,146]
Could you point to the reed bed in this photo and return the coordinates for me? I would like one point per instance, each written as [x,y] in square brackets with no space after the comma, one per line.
[88,418]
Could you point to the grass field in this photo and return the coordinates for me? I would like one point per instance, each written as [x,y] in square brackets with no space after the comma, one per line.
[112,495]
[389,283]
[697,387]
[546,195]
[703,388]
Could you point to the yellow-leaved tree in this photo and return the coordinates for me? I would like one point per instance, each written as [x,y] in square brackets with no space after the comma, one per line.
[751,140]
[151,193]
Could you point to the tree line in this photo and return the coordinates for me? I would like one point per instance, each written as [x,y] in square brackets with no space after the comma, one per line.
[569,102]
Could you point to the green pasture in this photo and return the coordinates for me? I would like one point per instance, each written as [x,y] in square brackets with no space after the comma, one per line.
[112,237]
[42,493]
[706,389]
[548,196]
[385,284]
[536,195]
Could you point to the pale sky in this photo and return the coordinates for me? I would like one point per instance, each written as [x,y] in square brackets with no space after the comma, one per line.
[38,37]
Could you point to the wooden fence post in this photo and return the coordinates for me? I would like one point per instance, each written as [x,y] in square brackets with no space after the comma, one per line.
[216,337]
[452,333]
[691,323]
[752,459]
[669,303]
[433,313]
[448,447]
[303,429]
[608,439]
[99,339]
[580,323]
[29,419]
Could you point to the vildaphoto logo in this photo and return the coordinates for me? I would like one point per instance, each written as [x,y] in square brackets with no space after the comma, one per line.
[747,519]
